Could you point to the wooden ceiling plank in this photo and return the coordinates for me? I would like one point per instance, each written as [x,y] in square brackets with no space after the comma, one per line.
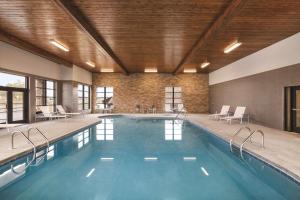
[219,23]
[12,40]
[81,21]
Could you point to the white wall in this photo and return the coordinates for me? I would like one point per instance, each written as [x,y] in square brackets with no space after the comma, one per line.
[15,59]
[281,54]
[19,60]
[82,75]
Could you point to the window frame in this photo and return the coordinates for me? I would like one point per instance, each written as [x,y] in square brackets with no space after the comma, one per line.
[26,81]
[81,106]
[104,96]
[9,104]
[44,96]
[173,97]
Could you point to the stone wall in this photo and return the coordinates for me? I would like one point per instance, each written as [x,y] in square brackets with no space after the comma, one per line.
[148,89]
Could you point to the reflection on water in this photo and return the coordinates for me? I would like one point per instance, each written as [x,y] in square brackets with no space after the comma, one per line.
[83,138]
[105,130]
[51,152]
[9,176]
[91,166]
[173,129]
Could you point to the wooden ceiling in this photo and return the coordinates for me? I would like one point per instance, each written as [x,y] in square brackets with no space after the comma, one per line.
[129,36]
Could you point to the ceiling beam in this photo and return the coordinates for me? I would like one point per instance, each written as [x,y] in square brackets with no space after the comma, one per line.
[219,23]
[83,24]
[14,41]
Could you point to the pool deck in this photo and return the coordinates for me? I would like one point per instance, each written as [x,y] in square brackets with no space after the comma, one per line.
[54,130]
[282,149]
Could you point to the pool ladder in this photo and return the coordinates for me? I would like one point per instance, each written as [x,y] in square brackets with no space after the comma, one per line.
[27,137]
[182,112]
[248,138]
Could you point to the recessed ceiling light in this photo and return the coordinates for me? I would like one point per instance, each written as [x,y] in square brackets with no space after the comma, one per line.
[91,64]
[151,70]
[192,70]
[232,46]
[59,45]
[204,64]
[107,70]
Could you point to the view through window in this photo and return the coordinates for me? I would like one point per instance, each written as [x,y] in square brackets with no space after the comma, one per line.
[11,80]
[103,97]
[83,97]
[173,98]
[13,95]
[45,94]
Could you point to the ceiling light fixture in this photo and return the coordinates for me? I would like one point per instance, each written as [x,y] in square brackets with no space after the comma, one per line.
[204,64]
[191,70]
[151,70]
[232,46]
[107,70]
[59,45]
[91,64]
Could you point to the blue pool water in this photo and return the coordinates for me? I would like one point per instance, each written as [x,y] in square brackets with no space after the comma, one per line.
[125,158]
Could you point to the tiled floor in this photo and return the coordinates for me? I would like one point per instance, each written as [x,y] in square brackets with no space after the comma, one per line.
[281,148]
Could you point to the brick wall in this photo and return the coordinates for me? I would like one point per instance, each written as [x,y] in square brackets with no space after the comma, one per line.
[148,89]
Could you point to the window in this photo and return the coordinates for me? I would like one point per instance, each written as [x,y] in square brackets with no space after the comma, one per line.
[103,96]
[11,80]
[3,106]
[83,97]
[13,98]
[45,94]
[105,130]
[173,98]
[173,129]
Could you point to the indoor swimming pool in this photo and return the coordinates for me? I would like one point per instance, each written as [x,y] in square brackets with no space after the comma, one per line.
[135,158]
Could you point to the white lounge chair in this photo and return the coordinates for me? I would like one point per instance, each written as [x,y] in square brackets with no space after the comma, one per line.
[62,111]
[47,114]
[179,109]
[223,113]
[238,115]
[8,126]
[109,109]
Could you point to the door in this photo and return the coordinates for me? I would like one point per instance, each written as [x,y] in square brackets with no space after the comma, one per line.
[295,106]
[3,106]
[17,112]
[13,106]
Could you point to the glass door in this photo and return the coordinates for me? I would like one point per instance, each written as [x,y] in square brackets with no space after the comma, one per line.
[13,106]
[295,112]
[3,106]
[17,106]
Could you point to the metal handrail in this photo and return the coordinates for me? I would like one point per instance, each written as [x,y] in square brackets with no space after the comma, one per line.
[249,137]
[236,133]
[181,111]
[12,145]
[40,132]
